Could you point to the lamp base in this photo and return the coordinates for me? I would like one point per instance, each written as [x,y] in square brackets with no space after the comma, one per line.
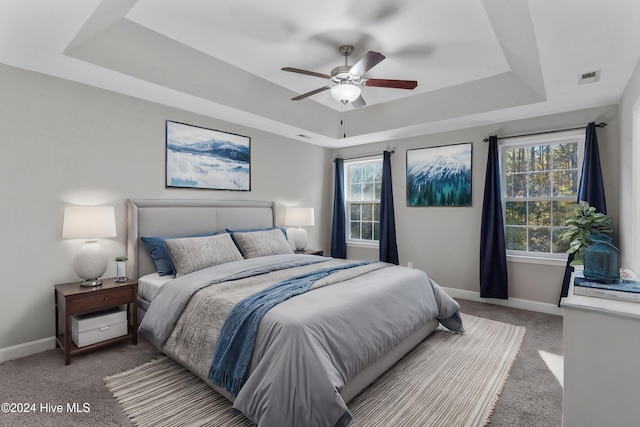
[91,282]
[90,263]
[300,239]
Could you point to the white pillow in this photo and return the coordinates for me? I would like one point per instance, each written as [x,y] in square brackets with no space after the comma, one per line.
[195,253]
[262,243]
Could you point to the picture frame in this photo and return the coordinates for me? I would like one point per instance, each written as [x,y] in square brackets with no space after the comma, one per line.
[202,158]
[439,176]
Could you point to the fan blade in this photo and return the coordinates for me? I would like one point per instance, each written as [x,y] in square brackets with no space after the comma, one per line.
[396,84]
[359,102]
[366,63]
[313,92]
[308,73]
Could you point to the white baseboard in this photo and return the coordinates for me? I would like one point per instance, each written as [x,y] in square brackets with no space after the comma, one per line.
[523,304]
[26,349]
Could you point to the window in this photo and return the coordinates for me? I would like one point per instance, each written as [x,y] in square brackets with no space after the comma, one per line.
[540,184]
[363,179]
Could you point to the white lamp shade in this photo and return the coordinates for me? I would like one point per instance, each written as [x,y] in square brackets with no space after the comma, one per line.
[345,92]
[299,217]
[89,222]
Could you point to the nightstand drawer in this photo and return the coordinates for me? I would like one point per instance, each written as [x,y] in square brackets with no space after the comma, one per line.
[94,302]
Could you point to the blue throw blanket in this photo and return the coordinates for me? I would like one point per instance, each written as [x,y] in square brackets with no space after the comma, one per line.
[234,349]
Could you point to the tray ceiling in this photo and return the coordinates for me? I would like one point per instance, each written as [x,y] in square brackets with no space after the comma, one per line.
[476,62]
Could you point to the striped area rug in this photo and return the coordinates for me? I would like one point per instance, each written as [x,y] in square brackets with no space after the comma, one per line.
[448,380]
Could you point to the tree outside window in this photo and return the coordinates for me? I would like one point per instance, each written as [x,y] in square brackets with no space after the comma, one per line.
[540,181]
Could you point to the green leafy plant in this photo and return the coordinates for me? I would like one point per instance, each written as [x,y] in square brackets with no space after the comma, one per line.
[121,258]
[585,222]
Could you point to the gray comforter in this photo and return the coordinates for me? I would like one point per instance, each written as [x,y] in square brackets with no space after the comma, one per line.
[307,347]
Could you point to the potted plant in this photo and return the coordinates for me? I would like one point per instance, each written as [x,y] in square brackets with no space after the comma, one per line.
[586,222]
[121,268]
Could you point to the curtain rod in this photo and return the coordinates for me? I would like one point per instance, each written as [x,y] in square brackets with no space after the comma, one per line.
[599,125]
[363,156]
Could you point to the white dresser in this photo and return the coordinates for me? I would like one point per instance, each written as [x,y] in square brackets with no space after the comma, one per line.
[601,362]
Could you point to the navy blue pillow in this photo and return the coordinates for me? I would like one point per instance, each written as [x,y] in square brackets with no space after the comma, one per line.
[158,251]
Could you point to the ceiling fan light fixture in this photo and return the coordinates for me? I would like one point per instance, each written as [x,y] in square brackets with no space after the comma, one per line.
[345,92]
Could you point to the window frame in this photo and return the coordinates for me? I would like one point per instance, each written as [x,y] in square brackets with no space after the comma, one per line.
[516,142]
[347,205]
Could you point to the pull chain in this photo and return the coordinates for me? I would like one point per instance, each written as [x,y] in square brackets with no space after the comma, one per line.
[342,123]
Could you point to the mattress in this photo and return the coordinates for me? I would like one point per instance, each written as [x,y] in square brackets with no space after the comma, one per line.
[150,284]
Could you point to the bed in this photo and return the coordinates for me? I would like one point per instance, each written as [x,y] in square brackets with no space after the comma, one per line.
[310,353]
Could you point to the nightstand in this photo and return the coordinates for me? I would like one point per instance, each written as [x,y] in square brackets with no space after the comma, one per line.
[73,299]
[310,252]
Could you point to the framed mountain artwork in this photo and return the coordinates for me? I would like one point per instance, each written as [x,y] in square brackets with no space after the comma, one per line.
[198,157]
[439,176]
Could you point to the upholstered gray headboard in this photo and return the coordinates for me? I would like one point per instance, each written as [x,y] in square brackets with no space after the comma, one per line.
[171,218]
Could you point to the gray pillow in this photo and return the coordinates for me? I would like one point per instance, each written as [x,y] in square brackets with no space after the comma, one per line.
[261,243]
[160,255]
[195,253]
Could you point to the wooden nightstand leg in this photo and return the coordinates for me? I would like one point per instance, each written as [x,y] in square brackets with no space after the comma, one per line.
[55,300]
[132,320]
[67,336]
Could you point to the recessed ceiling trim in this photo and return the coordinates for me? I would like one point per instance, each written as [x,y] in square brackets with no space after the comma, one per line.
[542,49]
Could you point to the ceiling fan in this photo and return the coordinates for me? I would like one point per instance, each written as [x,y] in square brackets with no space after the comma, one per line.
[347,79]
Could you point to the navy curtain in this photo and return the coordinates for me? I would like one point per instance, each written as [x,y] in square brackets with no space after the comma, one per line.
[388,245]
[493,251]
[591,189]
[339,229]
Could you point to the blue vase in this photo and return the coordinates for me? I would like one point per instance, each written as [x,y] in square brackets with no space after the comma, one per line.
[602,260]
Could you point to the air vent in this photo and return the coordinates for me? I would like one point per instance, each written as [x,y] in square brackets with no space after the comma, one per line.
[590,77]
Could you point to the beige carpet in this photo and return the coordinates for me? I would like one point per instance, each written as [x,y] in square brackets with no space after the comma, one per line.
[448,380]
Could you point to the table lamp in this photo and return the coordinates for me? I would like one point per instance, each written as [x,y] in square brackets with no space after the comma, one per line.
[299,217]
[90,223]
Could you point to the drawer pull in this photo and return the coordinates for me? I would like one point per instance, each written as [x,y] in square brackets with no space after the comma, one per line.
[93,302]
[104,328]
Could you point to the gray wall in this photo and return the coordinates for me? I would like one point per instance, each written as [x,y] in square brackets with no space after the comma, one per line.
[444,242]
[630,176]
[66,143]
